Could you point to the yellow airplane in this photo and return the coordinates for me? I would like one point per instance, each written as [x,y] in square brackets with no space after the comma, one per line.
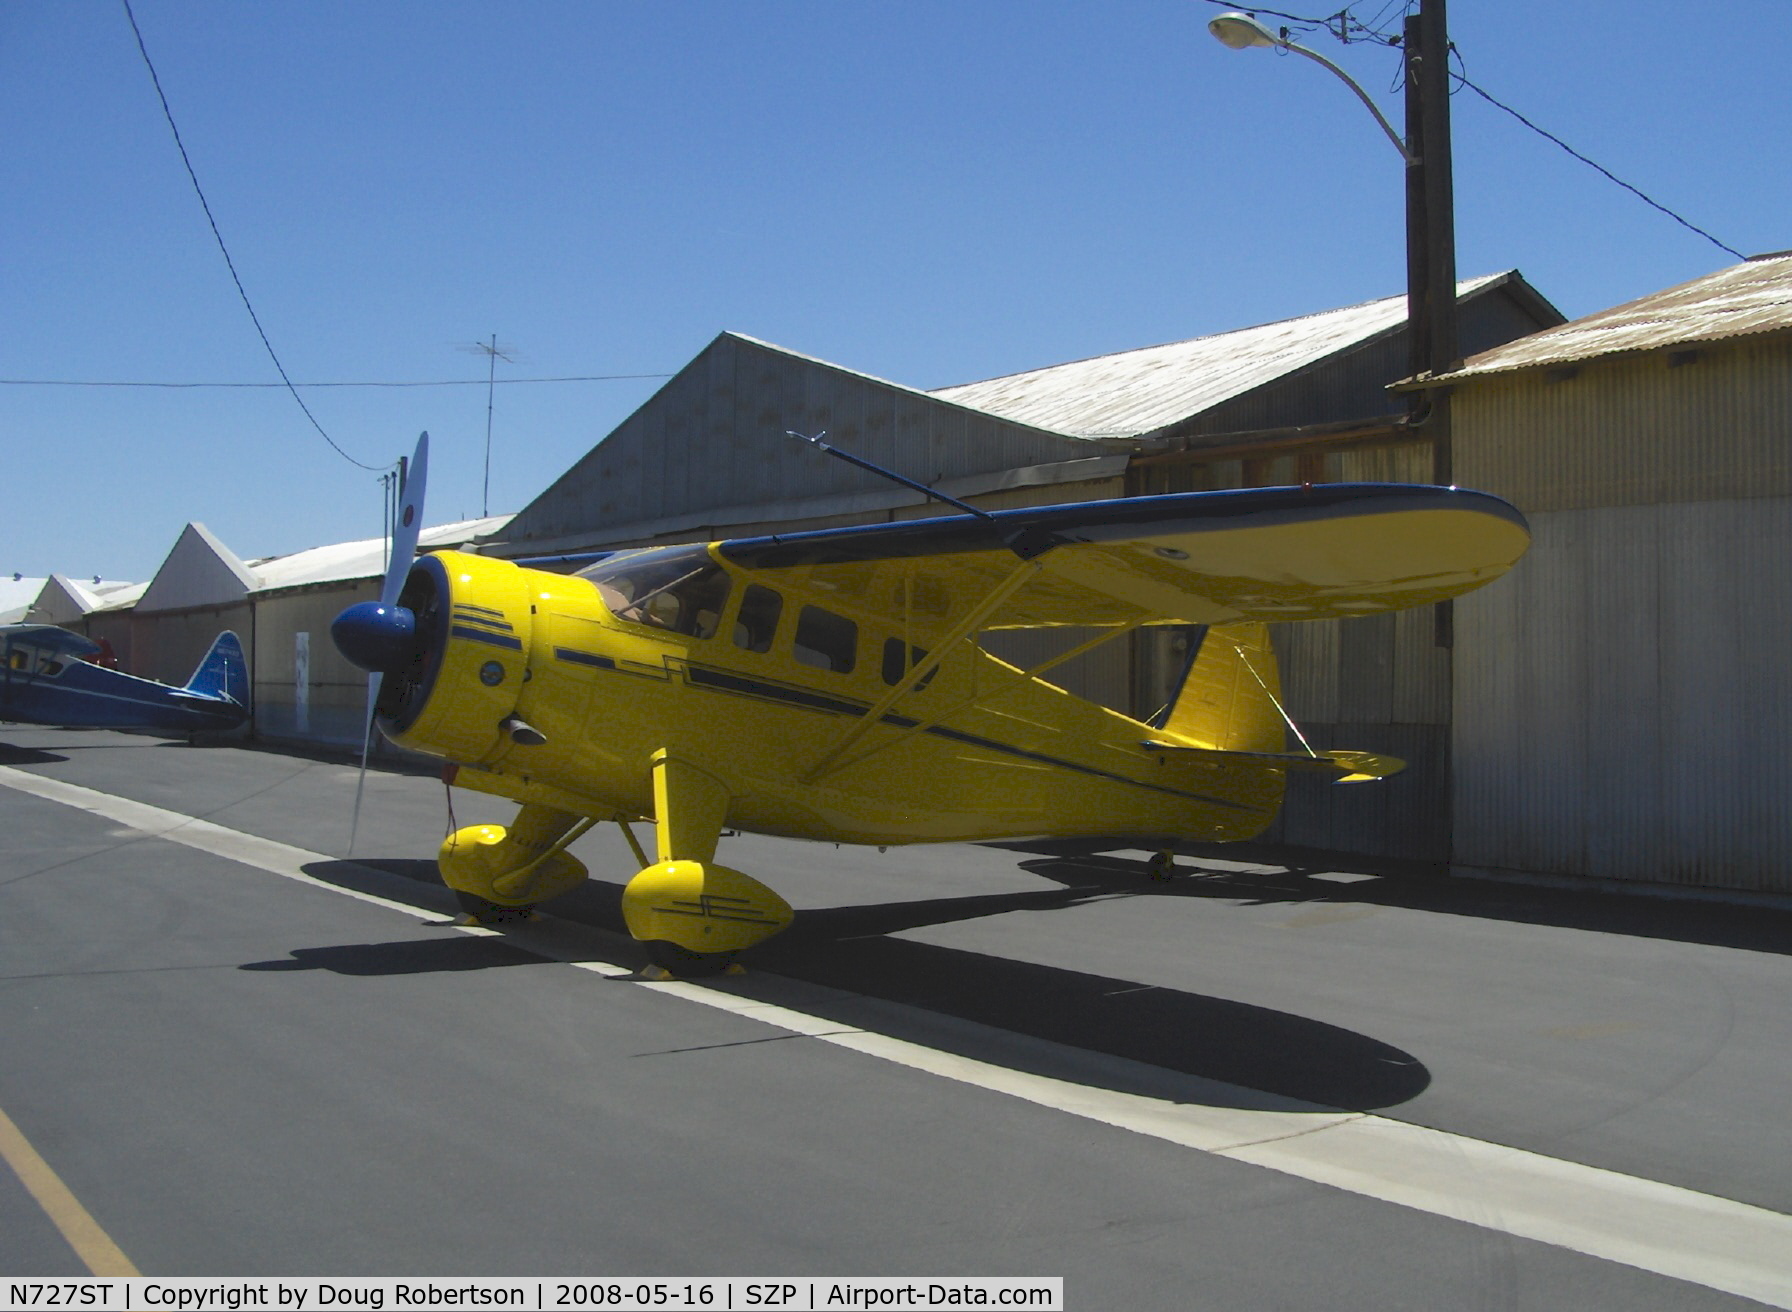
[829,685]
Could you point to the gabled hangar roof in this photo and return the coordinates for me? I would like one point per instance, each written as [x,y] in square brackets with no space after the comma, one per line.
[199,571]
[63,600]
[1748,299]
[1138,393]
[16,595]
[344,561]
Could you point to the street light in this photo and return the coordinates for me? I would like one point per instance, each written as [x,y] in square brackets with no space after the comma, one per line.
[1430,209]
[1242,32]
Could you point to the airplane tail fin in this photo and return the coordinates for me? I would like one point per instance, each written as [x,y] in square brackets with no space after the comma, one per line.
[1229,697]
[224,673]
[1230,703]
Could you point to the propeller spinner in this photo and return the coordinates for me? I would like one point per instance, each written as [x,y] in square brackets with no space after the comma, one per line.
[380,636]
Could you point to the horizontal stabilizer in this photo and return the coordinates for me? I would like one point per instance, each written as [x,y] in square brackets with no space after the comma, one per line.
[1348,767]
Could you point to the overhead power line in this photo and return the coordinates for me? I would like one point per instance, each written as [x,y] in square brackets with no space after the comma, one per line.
[1345,27]
[229,263]
[1648,200]
[436,382]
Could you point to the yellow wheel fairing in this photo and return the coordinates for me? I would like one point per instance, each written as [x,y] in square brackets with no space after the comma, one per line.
[702,907]
[512,871]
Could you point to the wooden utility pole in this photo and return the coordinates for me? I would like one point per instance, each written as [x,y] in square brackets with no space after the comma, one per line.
[1430,225]
[1431,246]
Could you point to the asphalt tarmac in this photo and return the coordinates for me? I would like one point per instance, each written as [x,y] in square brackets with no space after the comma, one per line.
[239,1052]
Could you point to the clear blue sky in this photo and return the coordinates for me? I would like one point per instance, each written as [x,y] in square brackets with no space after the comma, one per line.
[931,191]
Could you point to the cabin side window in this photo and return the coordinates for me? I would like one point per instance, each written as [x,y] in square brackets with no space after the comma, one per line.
[34,661]
[757,623]
[680,589]
[825,640]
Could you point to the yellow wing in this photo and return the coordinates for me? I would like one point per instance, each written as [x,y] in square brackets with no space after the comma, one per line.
[1272,554]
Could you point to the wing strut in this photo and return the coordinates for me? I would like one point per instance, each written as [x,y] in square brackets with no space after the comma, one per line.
[1018,679]
[1016,578]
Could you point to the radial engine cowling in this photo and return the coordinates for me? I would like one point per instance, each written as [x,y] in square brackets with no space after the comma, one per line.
[452,652]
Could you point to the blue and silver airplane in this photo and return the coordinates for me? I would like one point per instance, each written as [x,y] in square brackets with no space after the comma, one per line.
[46,678]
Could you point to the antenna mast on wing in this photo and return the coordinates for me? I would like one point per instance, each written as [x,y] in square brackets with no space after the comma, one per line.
[1025,542]
[881,472]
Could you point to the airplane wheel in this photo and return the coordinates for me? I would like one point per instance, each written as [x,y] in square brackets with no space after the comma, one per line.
[1162,867]
[487,912]
[681,961]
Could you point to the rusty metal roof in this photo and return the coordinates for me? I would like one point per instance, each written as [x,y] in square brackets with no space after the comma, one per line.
[1744,300]
[1136,393]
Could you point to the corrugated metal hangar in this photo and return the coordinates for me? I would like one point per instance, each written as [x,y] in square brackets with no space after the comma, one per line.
[1609,710]
[1621,700]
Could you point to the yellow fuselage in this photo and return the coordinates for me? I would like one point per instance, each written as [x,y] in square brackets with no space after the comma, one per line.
[977,750]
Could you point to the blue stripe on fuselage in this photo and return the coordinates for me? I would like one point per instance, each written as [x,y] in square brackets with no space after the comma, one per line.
[731,681]
[491,639]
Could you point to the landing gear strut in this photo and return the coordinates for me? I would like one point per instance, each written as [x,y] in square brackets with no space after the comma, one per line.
[693,914]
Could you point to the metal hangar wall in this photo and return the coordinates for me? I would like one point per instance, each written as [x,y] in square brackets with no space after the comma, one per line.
[1621,699]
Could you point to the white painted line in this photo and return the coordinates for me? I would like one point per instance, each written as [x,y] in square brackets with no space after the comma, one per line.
[231,844]
[1681,1233]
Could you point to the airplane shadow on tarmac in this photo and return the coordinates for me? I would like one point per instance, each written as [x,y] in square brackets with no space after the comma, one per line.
[1261,876]
[11,755]
[1172,1044]
[109,740]
[403,957]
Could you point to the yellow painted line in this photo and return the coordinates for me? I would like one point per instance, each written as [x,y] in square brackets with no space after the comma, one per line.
[92,1244]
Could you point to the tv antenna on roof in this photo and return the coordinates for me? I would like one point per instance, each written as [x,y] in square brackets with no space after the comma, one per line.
[493,353]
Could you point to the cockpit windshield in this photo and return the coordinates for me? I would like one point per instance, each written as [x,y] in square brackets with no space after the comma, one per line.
[679,589]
